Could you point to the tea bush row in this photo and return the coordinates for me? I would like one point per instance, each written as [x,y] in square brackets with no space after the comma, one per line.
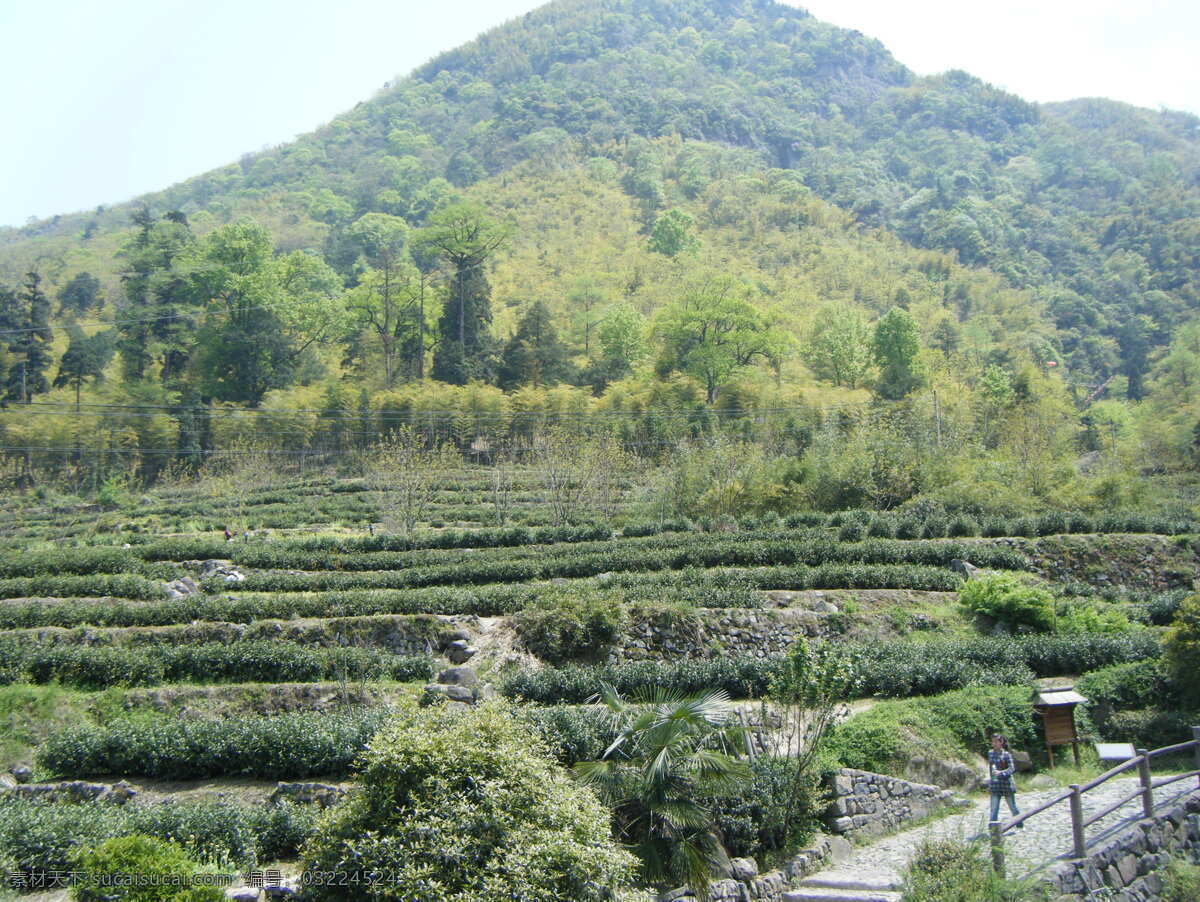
[280,747]
[883,668]
[39,837]
[259,661]
[92,586]
[250,555]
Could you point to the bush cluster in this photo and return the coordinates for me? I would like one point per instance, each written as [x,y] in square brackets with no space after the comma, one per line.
[897,669]
[1009,600]
[283,747]
[253,661]
[952,725]
[41,837]
[563,626]
[92,585]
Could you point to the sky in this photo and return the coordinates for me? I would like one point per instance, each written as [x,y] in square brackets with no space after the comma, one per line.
[103,101]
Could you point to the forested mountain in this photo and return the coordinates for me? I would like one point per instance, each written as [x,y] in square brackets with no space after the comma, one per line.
[574,196]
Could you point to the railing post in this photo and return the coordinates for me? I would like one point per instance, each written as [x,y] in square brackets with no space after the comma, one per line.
[1144,776]
[1077,821]
[1196,747]
[997,840]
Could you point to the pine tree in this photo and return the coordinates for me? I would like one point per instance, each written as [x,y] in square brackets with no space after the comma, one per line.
[534,355]
[31,340]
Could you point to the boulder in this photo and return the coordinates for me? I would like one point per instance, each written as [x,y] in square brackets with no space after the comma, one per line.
[21,773]
[460,651]
[948,774]
[243,894]
[1022,762]
[743,868]
[964,568]
[215,568]
[459,676]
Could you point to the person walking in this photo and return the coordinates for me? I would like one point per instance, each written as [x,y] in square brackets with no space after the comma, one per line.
[1000,771]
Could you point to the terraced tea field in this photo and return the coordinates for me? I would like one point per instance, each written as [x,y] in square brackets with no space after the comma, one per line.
[140,645]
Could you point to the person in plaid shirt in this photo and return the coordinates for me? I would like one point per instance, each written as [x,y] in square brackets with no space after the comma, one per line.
[1000,769]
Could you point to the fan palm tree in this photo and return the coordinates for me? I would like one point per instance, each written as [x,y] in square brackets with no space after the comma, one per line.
[671,751]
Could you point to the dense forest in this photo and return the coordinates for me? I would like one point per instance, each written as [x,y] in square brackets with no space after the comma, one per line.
[657,221]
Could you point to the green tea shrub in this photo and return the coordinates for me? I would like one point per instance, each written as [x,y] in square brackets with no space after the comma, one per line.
[962,526]
[92,585]
[1009,600]
[882,527]
[458,805]
[741,677]
[751,820]
[285,746]
[573,734]
[563,626]
[265,661]
[164,870]
[41,837]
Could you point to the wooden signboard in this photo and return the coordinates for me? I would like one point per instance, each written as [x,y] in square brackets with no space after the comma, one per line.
[1057,707]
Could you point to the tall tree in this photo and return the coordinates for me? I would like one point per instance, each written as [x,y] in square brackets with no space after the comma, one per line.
[896,345]
[157,316]
[713,332]
[264,311]
[465,237]
[839,347]
[85,358]
[390,299]
[80,294]
[534,355]
[672,234]
[30,340]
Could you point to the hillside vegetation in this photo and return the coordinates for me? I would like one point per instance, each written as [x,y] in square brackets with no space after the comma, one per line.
[652,221]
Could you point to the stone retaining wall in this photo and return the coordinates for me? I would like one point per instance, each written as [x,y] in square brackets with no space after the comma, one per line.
[746,883]
[866,804]
[1127,867]
[755,632]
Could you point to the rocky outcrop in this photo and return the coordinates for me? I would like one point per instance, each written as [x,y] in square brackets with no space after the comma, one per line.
[323,795]
[75,791]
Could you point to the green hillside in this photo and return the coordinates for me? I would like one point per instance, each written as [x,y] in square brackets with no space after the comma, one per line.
[647,168]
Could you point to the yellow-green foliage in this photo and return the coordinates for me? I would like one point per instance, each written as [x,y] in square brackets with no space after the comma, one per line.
[142,869]
[1182,651]
[1009,599]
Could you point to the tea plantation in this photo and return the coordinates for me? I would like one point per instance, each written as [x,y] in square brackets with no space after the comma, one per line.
[139,644]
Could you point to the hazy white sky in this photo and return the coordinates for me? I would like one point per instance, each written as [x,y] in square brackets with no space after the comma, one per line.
[104,101]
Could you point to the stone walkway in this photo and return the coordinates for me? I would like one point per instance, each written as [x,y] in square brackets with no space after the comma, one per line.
[1046,835]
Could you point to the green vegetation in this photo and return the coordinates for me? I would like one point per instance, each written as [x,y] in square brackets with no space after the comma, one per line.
[1009,600]
[560,627]
[39,837]
[955,871]
[952,725]
[472,784]
[157,862]
[671,751]
[582,328]
[285,746]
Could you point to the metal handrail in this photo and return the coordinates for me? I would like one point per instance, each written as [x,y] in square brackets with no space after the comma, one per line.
[1074,795]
